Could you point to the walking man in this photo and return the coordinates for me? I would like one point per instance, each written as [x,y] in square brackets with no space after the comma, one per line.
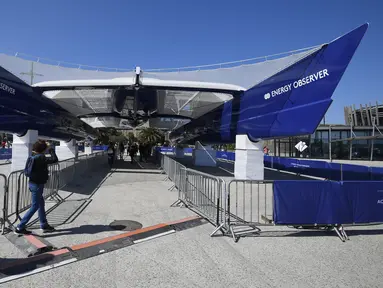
[36,169]
[111,154]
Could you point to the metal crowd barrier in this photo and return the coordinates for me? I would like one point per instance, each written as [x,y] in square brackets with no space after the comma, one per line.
[200,192]
[246,205]
[17,197]
[203,193]
[4,187]
[249,204]
[173,170]
[237,211]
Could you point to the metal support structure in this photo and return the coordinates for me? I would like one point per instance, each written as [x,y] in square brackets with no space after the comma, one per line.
[187,102]
[355,118]
[362,116]
[31,73]
[352,135]
[377,113]
[368,115]
[374,126]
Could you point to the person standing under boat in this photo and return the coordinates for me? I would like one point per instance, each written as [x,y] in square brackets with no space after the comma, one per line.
[121,150]
[132,152]
[111,153]
[36,169]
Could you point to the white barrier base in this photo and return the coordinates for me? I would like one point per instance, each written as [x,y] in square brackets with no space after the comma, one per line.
[88,150]
[248,159]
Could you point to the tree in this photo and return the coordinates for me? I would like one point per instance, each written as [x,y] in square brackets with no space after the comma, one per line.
[131,138]
[230,147]
[151,136]
[225,147]
[107,135]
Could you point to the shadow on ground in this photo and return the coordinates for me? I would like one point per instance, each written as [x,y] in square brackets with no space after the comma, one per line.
[8,268]
[83,229]
[76,197]
[77,194]
[88,183]
[63,213]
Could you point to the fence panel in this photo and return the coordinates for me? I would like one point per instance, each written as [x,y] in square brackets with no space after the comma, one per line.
[203,194]
[10,199]
[376,173]
[250,202]
[66,172]
[3,192]
[365,200]
[175,172]
[310,203]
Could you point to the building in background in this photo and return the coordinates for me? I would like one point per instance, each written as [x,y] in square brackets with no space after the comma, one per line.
[359,138]
[364,116]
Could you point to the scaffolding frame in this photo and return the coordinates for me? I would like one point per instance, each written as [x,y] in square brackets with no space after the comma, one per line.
[353,137]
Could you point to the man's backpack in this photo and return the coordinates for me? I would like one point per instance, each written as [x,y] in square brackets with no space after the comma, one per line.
[29,166]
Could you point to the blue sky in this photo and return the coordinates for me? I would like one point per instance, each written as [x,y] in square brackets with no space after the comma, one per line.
[170,33]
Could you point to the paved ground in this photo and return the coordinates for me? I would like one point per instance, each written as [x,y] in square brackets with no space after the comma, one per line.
[128,193]
[281,257]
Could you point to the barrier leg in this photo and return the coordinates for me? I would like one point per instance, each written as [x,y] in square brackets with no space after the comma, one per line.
[235,238]
[220,227]
[339,230]
[343,232]
[179,203]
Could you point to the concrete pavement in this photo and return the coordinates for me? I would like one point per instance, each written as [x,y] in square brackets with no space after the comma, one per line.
[281,257]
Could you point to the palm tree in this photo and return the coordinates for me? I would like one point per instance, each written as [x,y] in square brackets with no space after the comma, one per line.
[109,134]
[151,136]
[131,138]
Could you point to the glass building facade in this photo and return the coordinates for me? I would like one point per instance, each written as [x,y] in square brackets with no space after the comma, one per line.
[321,144]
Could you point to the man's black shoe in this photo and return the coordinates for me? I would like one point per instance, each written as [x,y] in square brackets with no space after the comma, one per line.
[23,231]
[48,228]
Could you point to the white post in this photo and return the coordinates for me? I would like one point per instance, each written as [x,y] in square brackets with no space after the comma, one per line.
[22,149]
[248,159]
[88,149]
[67,150]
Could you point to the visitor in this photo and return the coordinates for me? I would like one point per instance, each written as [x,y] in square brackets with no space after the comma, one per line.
[36,169]
[141,149]
[111,153]
[121,150]
[132,152]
